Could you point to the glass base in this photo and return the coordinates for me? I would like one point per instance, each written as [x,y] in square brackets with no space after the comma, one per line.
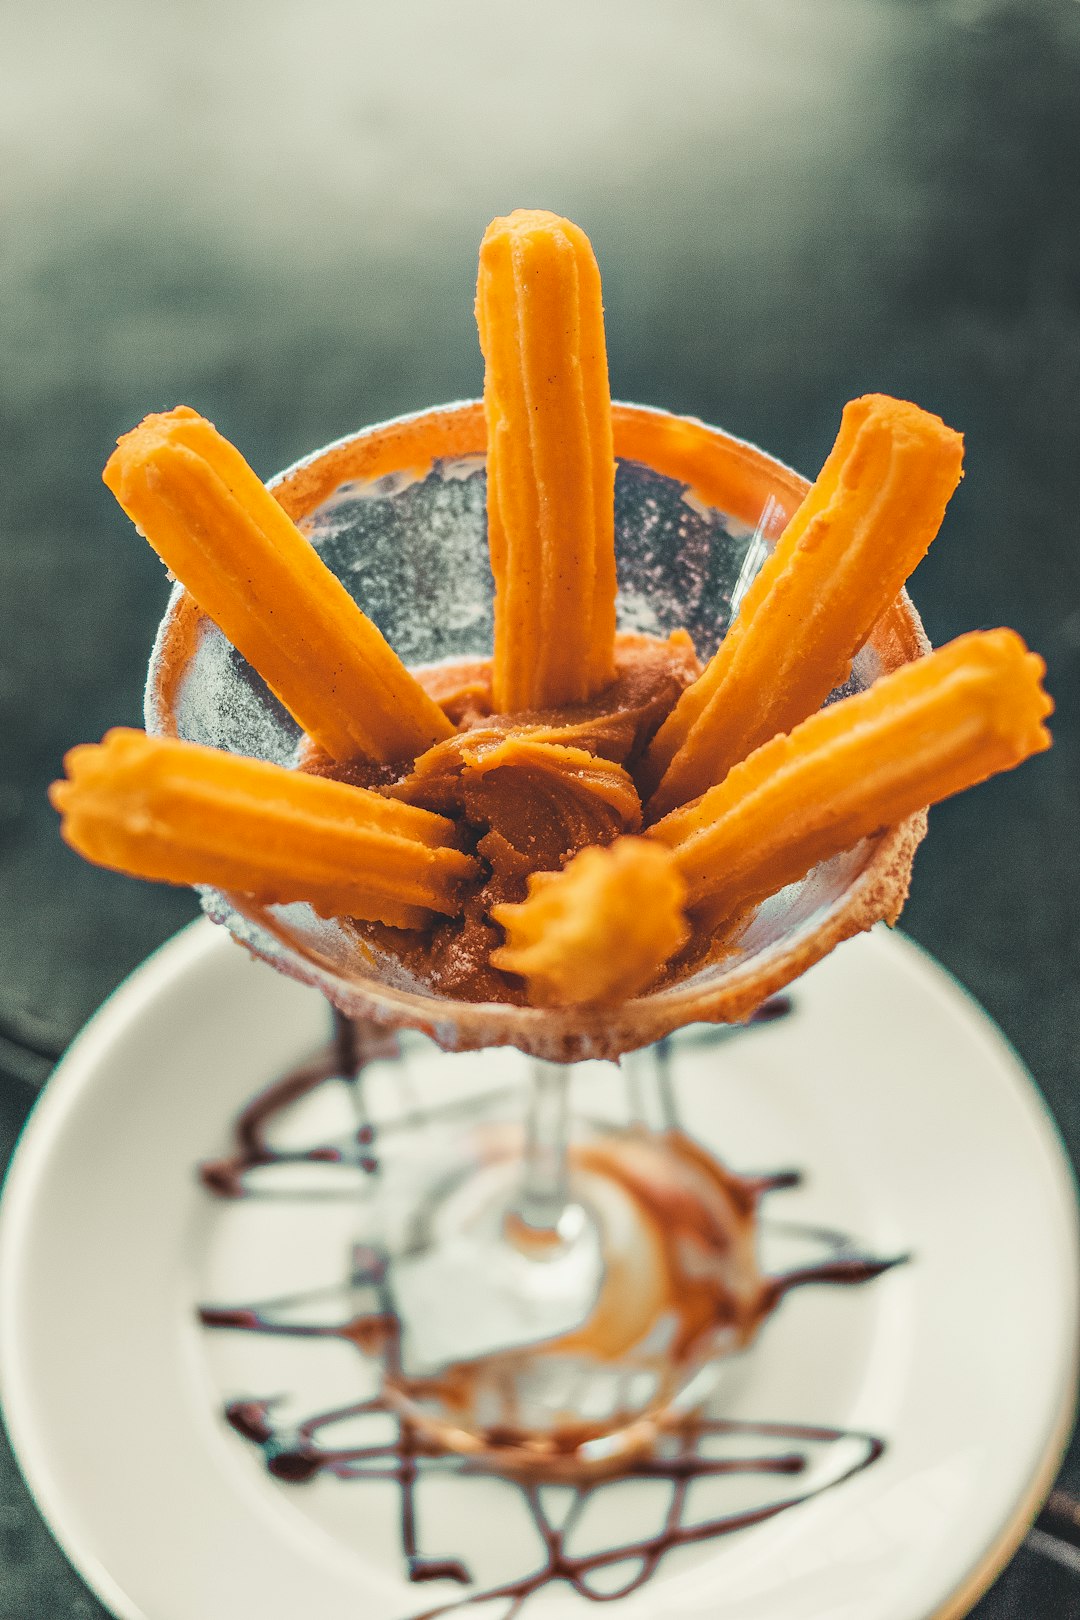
[476,1280]
[561,1344]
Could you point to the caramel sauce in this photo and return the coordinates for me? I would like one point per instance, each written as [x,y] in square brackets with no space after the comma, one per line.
[528,791]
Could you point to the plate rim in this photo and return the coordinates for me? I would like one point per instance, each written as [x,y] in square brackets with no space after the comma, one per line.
[74,1071]
[1007,1542]
[44,1122]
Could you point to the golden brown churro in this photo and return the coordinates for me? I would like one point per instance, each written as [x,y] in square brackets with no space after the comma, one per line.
[924,732]
[550,461]
[841,561]
[508,792]
[598,931]
[221,532]
[179,813]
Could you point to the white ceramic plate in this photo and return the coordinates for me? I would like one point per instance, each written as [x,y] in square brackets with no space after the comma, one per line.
[919,1131]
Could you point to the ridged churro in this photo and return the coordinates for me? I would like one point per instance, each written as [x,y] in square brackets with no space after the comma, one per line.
[924,732]
[843,558]
[550,462]
[506,794]
[180,813]
[221,532]
[598,931]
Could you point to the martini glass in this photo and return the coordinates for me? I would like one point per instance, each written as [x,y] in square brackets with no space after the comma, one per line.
[504,1242]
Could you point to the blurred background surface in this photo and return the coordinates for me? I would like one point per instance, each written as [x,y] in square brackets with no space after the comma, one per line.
[272,211]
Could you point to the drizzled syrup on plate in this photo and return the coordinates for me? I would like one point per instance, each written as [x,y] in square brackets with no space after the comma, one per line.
[677,1447]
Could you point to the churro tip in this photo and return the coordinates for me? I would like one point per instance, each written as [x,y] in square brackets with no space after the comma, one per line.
[1017,691]
[85,761]
[536,234]
[912,430]
[600,930]
[146,440]
[162,423]
[520,222]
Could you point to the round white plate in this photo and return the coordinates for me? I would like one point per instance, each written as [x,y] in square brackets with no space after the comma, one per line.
[918,1129]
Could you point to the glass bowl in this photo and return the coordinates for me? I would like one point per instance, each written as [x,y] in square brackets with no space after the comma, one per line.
[397,511]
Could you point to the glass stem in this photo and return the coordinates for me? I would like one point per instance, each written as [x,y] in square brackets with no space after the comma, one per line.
[544,1191]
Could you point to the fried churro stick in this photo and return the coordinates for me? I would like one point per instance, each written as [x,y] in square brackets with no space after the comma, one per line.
[551,463]
[222,533]
[924,732]
[180,813]
[865,524]
[598,931]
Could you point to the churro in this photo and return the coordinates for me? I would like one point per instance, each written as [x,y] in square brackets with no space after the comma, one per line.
[598,931]
[843,558]
[928,730]
[220,531]
[485,795]
[180,813]
[550,462]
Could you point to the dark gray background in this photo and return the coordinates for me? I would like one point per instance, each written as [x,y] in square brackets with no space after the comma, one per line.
[271,211]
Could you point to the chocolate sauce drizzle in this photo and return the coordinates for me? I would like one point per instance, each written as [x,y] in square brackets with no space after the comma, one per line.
[296,1456]
[351,1048]
[679,1456]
